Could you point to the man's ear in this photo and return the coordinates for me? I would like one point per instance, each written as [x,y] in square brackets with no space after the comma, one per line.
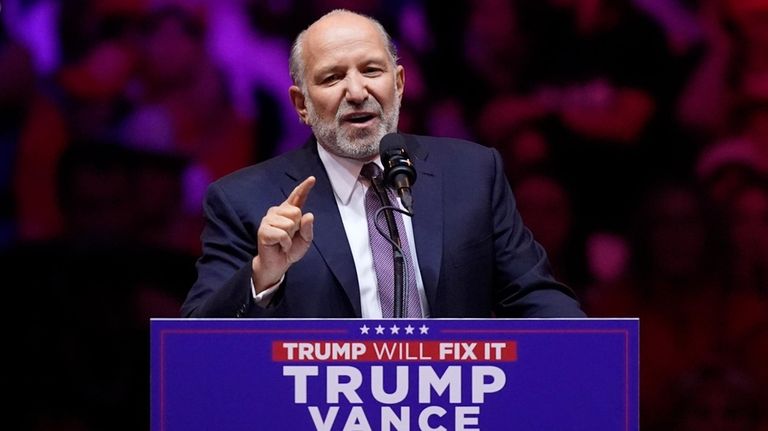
[400,80]
[299,103]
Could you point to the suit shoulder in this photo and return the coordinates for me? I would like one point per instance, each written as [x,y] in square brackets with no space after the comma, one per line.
[452,150]
[439,142]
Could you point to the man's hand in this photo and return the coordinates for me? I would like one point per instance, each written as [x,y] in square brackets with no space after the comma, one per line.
[284,237]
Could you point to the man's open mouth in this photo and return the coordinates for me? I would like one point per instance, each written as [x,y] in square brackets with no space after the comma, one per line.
[359,118]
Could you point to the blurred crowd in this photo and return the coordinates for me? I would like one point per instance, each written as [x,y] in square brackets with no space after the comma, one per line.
[634,132]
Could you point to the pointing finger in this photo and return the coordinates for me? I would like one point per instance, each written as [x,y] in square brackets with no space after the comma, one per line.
[299,195]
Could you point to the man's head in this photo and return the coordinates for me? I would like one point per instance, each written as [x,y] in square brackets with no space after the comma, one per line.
[347,84]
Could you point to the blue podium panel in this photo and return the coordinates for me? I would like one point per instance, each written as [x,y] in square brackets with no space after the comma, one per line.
[394,375]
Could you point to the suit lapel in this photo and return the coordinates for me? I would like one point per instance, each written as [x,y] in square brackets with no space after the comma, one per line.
[428,218]
[329,235]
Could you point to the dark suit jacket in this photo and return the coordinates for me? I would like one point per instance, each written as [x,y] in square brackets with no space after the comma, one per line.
[476,256]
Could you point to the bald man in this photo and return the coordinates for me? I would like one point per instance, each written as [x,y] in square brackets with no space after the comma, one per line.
[289,237]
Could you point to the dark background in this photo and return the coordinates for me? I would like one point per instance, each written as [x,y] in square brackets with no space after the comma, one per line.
[635,135]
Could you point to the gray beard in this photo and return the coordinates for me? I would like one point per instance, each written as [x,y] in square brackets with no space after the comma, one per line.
[357,144]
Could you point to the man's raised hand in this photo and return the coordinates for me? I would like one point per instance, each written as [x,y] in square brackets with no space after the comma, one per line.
[284,236]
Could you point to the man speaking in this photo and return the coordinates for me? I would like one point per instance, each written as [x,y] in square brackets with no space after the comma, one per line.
[313,233]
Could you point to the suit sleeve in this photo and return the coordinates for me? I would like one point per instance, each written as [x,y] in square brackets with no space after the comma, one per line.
[524,284]
[223,286]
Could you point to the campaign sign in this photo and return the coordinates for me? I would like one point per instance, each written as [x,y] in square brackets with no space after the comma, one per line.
[394,375]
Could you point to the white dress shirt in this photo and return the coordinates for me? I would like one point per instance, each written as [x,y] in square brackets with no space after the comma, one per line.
[349,191]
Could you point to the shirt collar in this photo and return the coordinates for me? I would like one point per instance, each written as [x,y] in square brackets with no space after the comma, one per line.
[343,173]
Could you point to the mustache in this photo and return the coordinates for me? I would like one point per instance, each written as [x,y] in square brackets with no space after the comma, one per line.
[369,105]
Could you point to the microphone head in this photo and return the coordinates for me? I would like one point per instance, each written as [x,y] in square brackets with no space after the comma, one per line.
[391,141]
[395,160]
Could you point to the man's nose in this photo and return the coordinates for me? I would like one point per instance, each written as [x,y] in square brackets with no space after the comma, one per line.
[357,91]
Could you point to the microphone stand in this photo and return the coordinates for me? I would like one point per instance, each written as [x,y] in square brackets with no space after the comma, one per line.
[397,250]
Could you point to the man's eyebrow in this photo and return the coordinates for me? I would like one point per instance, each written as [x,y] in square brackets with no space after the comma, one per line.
[331,68]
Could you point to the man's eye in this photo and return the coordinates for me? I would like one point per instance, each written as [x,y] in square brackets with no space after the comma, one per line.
[330,79]
[372,71]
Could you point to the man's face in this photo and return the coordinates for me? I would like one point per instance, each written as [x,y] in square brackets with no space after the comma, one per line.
[352,91]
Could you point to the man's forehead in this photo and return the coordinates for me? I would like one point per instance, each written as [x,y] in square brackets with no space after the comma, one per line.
[340,19]
[338,30]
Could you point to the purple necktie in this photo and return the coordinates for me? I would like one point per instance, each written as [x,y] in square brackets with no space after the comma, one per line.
[382,250]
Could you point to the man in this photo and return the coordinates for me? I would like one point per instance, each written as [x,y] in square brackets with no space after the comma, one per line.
[289,237]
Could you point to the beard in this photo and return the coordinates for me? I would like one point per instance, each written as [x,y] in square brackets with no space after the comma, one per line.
[353,143]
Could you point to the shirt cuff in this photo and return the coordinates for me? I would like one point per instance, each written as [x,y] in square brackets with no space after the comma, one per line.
[262,299]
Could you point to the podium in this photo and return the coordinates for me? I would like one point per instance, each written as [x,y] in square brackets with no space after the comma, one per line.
[394,375]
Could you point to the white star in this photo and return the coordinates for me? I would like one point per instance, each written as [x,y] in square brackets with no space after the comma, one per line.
[364,329]
[409,329]
[395,329]
[423,329]
[379,329]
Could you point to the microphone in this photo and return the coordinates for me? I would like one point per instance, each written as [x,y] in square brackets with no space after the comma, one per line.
[398,169]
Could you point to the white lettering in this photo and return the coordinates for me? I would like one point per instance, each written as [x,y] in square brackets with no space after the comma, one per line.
[424,418]
[348,388]
[389,419]
[320,423]
[463,419]
[357,421]
[300,375]
[480,387]
[401,385]
[450,380]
